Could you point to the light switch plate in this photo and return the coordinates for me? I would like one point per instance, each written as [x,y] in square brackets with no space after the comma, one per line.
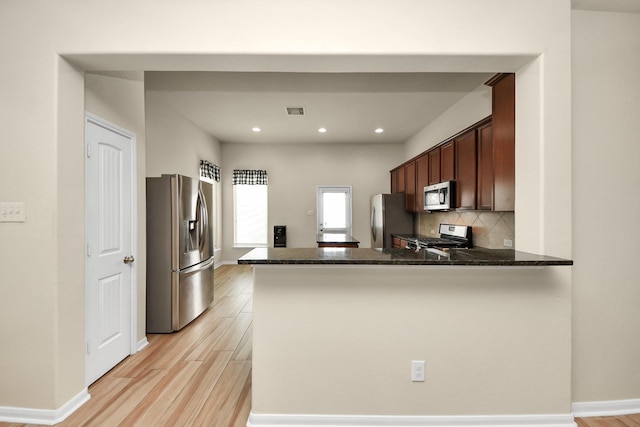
[12,212]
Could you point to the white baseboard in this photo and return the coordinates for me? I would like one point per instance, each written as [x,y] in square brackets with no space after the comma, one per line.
[606,408]
[216,265]
[43,416]
[273,420]
[142,343]
[221,263]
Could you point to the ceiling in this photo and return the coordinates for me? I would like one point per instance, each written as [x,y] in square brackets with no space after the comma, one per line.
[350,106]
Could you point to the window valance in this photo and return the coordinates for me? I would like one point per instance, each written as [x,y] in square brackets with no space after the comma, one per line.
[250,177]
[209,170]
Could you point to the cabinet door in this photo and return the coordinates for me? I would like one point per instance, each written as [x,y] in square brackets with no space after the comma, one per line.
[434,166]
[410,186]
[447,161]
[422,180]
[401,183]
[394,180]
[503,99]
[466,171]
[485,167]
[396,243]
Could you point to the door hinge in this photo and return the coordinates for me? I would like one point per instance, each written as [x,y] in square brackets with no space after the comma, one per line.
[88,249]
[88,347]
[88,150]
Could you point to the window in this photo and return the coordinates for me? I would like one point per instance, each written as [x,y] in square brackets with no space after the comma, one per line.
[334,210]
[217,215]
[250,203]
[211,173]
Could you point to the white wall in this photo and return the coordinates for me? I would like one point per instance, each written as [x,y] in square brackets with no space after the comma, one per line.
[175,145]
[339,340]
[606,159]
[472,108]
[295,171]
[43,105]
[119,99]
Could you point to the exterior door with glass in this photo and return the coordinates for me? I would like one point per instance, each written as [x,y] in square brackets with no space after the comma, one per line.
[334,209]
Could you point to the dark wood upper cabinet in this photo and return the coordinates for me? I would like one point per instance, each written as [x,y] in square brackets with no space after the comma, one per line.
[485,167]
[466,176]
[410,186]
[394,180]
[400,179]
[480,158]
[504,137]
[422,180]
[447,161]
[434,166]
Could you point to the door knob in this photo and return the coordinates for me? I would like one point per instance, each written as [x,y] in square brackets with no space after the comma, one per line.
[128,259]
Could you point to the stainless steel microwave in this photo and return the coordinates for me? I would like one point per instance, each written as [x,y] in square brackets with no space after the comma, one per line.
[440,197]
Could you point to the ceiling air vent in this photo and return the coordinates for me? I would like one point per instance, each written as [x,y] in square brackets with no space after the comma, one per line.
[295,111]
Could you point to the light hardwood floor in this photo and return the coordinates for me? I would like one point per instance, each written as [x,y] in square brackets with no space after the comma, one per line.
[200,376]
[620,421]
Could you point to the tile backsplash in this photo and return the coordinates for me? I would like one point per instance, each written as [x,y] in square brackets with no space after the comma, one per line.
[490,229]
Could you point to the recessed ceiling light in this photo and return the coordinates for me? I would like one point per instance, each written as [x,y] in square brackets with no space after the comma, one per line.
[256,129]
[379,130]
[322,130]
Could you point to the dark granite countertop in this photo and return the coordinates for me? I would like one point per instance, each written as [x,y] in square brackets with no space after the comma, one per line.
[413,237]
[367,256]
[335,238]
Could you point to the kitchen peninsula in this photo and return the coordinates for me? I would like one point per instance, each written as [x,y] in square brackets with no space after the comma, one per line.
[399,257]
[336,330]
[336,240]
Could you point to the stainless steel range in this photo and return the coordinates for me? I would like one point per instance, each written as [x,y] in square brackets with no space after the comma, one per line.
[451,236]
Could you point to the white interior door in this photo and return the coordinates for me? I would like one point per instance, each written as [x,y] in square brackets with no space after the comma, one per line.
[109,257]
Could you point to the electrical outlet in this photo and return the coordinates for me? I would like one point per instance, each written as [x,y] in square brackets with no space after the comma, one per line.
[12,212]
[508,243]
[417,370]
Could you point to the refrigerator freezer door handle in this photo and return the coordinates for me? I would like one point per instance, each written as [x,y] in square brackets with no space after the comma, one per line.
[203,218]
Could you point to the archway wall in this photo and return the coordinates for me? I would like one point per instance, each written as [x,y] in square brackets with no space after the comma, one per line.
[41,115]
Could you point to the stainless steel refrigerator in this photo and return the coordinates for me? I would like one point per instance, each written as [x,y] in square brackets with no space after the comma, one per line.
[179,251]
[388,216]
